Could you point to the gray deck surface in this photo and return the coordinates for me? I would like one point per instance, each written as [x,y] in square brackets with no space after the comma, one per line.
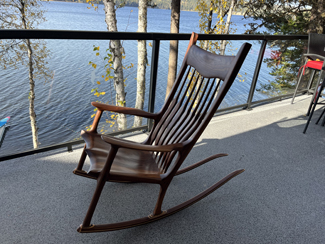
[280,198]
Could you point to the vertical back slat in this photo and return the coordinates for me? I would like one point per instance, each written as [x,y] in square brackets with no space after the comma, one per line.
[188,126]
[188,114]
[184,115]
[168,114]
[179,115]
[176,112]
[195,116]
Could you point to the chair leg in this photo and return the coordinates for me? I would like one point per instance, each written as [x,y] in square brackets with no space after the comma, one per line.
[100,185]
[314,95]
[162,193]
[82,159]
[321,117]
[94,201]
[310,82]
[323,123]
[295,93]
[314,105]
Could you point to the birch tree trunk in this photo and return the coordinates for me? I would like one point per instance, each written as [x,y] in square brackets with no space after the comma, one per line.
[173,48]
[206,43]
[31,96]
[223,43]
[142,61]
[25,15]
[116,51]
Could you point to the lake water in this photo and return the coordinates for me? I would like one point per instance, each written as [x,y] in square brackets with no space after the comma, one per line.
[63,104]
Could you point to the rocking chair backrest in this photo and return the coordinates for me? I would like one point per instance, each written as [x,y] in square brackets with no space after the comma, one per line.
[194,98]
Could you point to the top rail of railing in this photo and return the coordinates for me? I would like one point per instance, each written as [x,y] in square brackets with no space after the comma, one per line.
[105,35]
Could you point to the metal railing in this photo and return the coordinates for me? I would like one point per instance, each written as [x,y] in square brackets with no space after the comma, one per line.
[155,38]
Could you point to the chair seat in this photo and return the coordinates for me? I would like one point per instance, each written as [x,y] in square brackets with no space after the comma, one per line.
[314,64]
[128,163]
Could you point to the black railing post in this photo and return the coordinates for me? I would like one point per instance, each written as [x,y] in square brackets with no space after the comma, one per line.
[256,73]
[153,80]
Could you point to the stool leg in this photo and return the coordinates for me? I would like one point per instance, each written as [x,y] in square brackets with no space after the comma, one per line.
[315,103]
[309,118]
[310,82]
[321,116]
[323,123]
[295,93]
[312,99]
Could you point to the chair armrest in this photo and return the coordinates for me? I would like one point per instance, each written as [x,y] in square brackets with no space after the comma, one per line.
[124,110]
[314,56]
[137,146]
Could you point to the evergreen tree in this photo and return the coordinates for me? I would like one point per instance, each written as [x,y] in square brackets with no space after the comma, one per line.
[287,17]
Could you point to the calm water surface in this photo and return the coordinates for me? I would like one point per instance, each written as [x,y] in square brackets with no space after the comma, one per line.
[63,104]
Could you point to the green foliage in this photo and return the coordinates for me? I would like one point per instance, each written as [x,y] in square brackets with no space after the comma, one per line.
[106,62]
[222,10]
[289,17]
[99,91]
[284,62]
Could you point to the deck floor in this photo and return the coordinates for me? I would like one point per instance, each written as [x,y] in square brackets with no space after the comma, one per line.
[280,198]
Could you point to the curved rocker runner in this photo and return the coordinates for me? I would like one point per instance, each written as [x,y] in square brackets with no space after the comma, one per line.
[199,89]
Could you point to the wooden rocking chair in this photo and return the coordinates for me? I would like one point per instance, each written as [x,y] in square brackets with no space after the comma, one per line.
[192,102]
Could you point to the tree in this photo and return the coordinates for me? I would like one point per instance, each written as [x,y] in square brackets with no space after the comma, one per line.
[110,8]
[116,51]
[224,10]
[289,17]
[142,61]
[116,54]
[173,46]
[24,14]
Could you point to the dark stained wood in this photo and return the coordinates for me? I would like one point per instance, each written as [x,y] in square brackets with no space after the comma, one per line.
[166,213]
[199,89]
[193,166]
[126,110]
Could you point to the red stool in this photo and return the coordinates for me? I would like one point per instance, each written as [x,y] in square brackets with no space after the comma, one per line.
[315,61]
